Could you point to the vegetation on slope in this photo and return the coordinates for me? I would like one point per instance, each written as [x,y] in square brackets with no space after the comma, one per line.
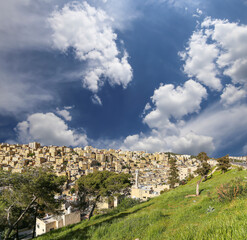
[170,216]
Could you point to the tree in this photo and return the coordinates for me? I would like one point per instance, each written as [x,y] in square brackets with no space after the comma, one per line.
[224,163]
[173,172]
[72,190]
[203,170]
[95,163]
[27,191]
[102,184]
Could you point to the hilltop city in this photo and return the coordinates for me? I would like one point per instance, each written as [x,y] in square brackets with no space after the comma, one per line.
[75,162]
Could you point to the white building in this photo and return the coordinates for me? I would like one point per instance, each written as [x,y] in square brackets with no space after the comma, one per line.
[49,223]
[34,145]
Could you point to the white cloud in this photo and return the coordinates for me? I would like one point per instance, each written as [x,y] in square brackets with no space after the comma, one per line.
[199,59]
[225,126]
[198,13]
[89,31]
[231,38]
[217,48]
[232,95]
[238,71]
[146,108]
[137,143]
[174,102]
[214,129]
[166,121]
[49,129]
[190,143]
[65,114]
[68,107]
[96,99]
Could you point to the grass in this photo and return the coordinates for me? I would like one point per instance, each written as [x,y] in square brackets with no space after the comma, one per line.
[170,216]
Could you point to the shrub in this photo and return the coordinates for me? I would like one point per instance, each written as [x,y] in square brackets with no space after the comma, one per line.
[240,169]
[183,182]
[127,203]
[190,177]
[229,191]
[164,191]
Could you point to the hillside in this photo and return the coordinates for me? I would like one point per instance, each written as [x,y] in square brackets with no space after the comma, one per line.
[170,216]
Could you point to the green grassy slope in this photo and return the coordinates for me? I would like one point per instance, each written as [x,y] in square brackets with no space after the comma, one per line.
[170,216]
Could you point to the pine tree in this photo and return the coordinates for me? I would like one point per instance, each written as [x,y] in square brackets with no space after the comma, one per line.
[224,163]
[173,173]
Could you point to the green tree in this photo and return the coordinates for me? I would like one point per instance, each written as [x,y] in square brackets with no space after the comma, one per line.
[31,154]
[72,191]
[224,163]
[203,170]
[34,188]
[102,184]
[95,163]
[173,172]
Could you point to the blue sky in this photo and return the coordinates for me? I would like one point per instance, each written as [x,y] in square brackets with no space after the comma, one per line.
[164,75]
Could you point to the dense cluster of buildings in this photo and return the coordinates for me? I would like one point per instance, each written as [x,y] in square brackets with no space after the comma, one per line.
[153,168]
[74,162]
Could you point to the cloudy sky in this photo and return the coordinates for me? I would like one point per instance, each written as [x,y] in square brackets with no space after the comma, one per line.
[154,75]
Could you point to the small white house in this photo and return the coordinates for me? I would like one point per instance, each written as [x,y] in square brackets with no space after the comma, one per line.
[51,222]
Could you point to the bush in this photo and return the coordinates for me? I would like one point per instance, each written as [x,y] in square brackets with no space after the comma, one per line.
[183,182]
[229,191]
[240,169]
[190,177]
[124,204]
[164,191]
[127,203]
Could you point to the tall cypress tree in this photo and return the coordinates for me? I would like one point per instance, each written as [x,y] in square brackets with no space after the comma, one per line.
[173,172]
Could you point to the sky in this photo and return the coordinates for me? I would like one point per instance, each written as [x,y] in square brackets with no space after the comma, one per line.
[151,75]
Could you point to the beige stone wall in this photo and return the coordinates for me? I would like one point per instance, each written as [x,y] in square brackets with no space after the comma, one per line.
[71,218]
[103,203]
[50,226]
[59,223]
[136,193]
